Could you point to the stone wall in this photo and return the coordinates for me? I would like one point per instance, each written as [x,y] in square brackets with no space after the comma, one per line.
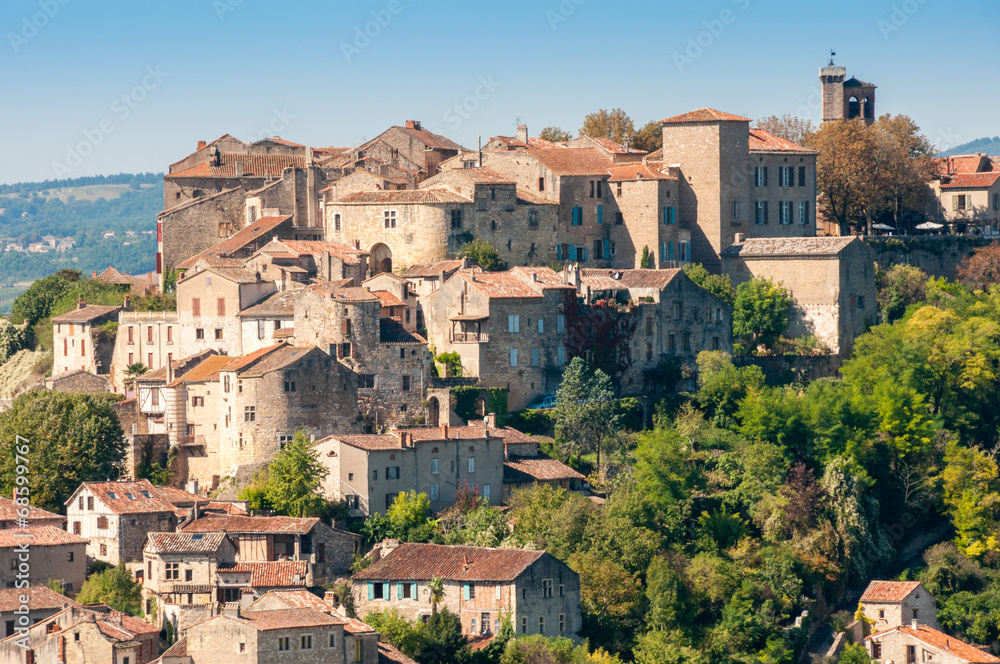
[199,224]
[785,369]
[937,255]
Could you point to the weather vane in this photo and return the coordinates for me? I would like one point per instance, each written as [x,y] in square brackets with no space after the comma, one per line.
[832,53]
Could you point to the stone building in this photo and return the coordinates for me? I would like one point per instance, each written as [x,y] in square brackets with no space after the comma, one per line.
[525,465]
[889,604]
[79,343]
[54,554]
[509,328]
[292,262]
[10,516]
[150,393]
[236,248]
[268,321]
[920,643]
[831,281]
[78,381]
[138,285]
[846,99]
[41,604]
[83,635]
[389,285]
[968,200]
[368,471]
[541,594]
[115,517]
[660,315]
[415,144]
[151,338]
[425,279]
[325,552]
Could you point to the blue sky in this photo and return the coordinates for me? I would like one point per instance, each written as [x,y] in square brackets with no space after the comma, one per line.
[102,86]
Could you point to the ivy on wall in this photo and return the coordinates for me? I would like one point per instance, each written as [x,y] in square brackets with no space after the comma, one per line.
[464,400]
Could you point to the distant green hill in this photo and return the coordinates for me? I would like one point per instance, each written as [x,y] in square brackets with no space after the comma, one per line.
[990,146]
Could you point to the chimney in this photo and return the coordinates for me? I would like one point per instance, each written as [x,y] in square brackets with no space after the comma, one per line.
[93,275]
[201,145]
[522,133]
[913,623]
[738,238]
[465,262]
[81,303]
[170,372]
[403,438]
[534,277]
[357,244]
[413,124]
[128,302]
[491,420]
[444,431]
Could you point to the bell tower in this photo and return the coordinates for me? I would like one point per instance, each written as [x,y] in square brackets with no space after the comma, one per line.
[832,78]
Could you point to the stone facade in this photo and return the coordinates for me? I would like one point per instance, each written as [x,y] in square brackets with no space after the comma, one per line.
[78,381]
[191,227]
[919,643]
[53,554]
[148,337]
[968,200]
[78,343]
[889,604]
[844,100]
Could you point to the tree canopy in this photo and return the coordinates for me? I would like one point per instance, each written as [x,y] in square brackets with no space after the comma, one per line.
[614,124]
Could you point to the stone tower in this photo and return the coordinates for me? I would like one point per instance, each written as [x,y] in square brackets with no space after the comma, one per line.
[832,78]
[852,98]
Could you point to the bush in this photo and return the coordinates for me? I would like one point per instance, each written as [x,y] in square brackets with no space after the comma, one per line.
[531,421]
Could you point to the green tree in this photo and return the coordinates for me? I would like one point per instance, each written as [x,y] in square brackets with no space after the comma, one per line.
[722,386]
[436,588]
[397,630]
[649,138]
[663,647]
[899,287]
[443,640]
[587,414]
[855,653]
[295,478]
[614,124]
[719,285]
[71,438]
[760,312]
[38,301]
[555,134]
[646,261]
[134,371]
[409,516]
[114,587]
[483,254]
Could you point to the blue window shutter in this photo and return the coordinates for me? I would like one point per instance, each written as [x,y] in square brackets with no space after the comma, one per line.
[559,251]
[572,252]
[607,249]
[371,590]
[465,591]
[671,245]
[586,254]
[413,591]
[673,215]
[385,590]
[600,214]
[399,591]
[666,217]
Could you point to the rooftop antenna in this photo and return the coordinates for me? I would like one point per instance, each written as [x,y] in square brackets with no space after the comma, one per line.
[832,54]
[517,120]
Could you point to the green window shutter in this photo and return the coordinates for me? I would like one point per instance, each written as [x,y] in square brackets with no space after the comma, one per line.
[465,591]
[385,590]
[673,215]
[954,202]
[559,251]
[671,245]
[371,590]
[413,591]
[666,217]
[399,591]
[600,214]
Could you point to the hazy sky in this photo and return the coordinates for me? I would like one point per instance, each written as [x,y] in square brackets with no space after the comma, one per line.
[102,86]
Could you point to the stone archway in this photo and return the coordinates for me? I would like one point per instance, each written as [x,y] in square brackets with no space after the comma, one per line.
[433,411]
[381,258]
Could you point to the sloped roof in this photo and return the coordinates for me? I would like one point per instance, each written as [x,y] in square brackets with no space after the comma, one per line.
[205,371]
[969,181]
[404,197]
[389,654]
[527,198]
[526,470]
[391,332]
[229,523]
[279,303]
[180,367]
[279,358]
[296,599]
[38,536]
[239,164]
[87,314]
[790,246]
[763,141]
[416,562]
[941,641]
[333,290]
[704,115]
[239,363]
[270,574]
[39,598]
[185,542]
[387,299]
[115,496]
[430,139]
[854,82]
[497,284]
[638,171]
[238,240]
[573,161]
[9,512]
[888,591]
[481,175]
[432,269]
[631,278]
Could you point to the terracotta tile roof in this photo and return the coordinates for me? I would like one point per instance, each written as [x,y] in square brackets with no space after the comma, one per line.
[180,497]
[180,367]
[38,536]
[482,175]
[122,626]
[279,140]
[185,542]
[39,598]
[387,299]
[276,360]
[86,314]
[416,562]
[9,512]
[540,277]
[526,470]
[966,181]
[225,507]
[246,360]
[704,115]
[528,198]
[366,441]
[271,574]
[430,139]
[499,285]
[349,255]
[279,303]
[637,171]
[179,649]
[391,332]
[113,276]
[237,241]
[115,496]
[237,164]
[790,246]
[403,197]
[355,626]
[573,161]
[617,148]
[432,269]
[762,141]
[277,525]
[632,278]
[389,654]
[888,591]
[965,163]
[335,291]
[533,142]
[205,371]
[943,642]
[297,599]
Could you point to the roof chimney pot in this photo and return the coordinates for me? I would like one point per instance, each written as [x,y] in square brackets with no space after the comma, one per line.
[913,623]
[81,303]
[201,145]
[444,431]
[522,133]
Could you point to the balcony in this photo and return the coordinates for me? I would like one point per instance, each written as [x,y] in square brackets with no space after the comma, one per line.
[470,337]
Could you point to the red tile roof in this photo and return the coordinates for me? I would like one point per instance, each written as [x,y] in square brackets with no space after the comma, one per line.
[86,314]
[179,497]
[704,115]
[633,278]
[366,441]
[790,246]
[225,507]
[540,277]
[230,523]
[272,574]
[943,642]
[403,197]
[279,303]
[277,359]
[205,371]
[38,536]
[526,470]
[497,284]
[279,140]
[888,591]
[482,175]
[349,255]
[237,241]
[185,542]
[417,562]
[528,198]
[236,364]
[9,512]
[573,161]
[387,299]
[298,599]
[389,654]
[966,181]
[39,598]
[965,163]
[762,141]
[390,441]
[236,164]
[638,171]
[115,496]
[432,269]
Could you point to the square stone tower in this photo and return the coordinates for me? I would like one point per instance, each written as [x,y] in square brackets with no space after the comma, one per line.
[832,78]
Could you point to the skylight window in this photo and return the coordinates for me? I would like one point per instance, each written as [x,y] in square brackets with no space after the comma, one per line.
[111,494]
[197,537]
[147,494]
[130,496]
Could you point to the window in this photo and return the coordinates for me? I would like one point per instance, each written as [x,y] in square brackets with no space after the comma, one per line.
[996,201]
[541,624]
[541,184]
[600,214]
[102,523]
[333,640]
[591,188]
[784,212]
[199,334]
[197,401]
[736,209]
[284,439]
[513,324]
[406,383]
[195,306]
[911,654]
[172,571]
[513,357]
[715,343]
[130,330]
[472,465]
[802,176]
[547,586]
[876,650]
[541,326]
[881,614]
[486,491]
[534,357]
[104,549]
[306,641]
[76,527]
[336,222]
[283,643]
[81,502]
[249,413]
[803,212]
[390,218]
[669,215]
[861,301]
[69,557]
[786,176]
[524,625]
[435,492]
[218,334]
[392,472]
[577,216]
[189,576]
[618,188]
[649,352]
[599,249]
[532,217]
[961,202]
[685,251]
[760,176]
[671,342]
[456,218]
[560,324]
[90,503]
[619,219]
[289,386]
[220,306]
[375,476]
[760,212]
[562,623]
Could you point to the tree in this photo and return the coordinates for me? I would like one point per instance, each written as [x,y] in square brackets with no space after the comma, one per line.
[483,254]
[436,588]
[37,302]
[789,127]
[982,269]
[646,262]
[443,640]
[114,587]
[902,285]
[134,371]
[649,138]
[397,630]
[71,438]
[719,285]
[555,135]
[855,653]
[295,478]
[614,124]
[722,386]
[409,516]
[760,312]
[586,414]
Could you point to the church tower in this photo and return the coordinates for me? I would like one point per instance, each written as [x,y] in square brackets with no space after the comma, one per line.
[852,98]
